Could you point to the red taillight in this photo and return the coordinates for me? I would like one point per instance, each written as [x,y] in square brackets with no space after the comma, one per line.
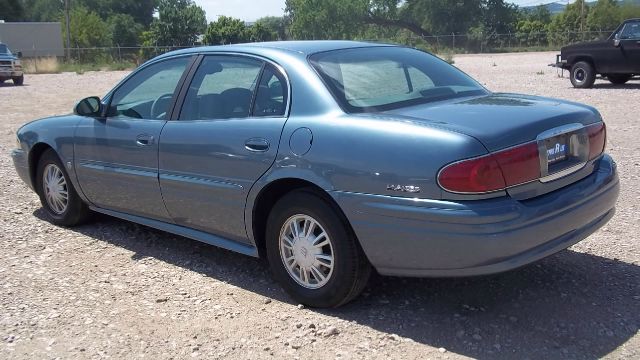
[520,164]
[478,175]
[492,172]
[597,139]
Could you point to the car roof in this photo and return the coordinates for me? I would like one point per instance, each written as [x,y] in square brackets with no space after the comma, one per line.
[301,48]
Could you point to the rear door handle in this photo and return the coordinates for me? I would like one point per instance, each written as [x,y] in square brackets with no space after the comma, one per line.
[144,140]
[257,145]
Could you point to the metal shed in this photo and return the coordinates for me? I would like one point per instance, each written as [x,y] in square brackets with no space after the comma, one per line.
[34,39]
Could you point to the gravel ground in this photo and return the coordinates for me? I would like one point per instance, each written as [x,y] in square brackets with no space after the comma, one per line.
[115,289]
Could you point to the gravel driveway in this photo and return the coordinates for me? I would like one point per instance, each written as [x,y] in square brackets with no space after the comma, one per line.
[116,289]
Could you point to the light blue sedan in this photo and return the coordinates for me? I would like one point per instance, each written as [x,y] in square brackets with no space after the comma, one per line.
[331,159]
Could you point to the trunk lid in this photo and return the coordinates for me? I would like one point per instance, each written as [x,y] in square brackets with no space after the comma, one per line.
[504,121]
[500,120]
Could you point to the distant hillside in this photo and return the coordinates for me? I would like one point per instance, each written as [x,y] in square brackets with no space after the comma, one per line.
[556,7]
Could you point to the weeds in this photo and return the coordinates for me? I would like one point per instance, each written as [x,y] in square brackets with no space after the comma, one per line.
[51,65]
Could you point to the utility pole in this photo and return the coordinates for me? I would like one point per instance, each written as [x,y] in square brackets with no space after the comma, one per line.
[582,20]
[68,20]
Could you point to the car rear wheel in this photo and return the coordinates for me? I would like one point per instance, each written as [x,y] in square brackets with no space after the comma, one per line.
[18,80]
[619,79]
[312,251]
[582,75]
[58,197]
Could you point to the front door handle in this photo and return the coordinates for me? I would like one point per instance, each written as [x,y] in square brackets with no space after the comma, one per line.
[256,145]
[144,140]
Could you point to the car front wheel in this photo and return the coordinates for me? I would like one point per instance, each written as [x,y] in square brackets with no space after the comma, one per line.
[619,79]
[582,75]
[58,197]
[312,251]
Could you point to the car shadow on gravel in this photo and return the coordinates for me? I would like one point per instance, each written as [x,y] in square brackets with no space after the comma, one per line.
[608,85]
[10,84]
[570,305]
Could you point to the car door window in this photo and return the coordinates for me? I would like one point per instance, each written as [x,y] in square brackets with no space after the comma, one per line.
[271,97]
[631,31]
[222,88]
[148,93]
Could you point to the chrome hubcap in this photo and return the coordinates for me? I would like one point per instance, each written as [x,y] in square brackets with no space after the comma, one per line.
[579,75]
[306,251]
[55,189]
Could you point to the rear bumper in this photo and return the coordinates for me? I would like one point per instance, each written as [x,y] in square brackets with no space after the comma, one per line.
[429,238]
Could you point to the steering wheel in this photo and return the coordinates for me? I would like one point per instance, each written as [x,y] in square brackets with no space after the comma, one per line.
[158,108]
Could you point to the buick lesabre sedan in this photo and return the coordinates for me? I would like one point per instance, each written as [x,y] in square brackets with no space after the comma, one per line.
[330,159]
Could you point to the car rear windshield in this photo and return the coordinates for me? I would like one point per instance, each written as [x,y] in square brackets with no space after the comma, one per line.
[383,78]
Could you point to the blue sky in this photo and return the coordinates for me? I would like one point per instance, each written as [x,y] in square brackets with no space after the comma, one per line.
[250,10]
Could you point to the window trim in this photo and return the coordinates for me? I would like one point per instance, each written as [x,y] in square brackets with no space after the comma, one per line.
[107,99]
[180,99]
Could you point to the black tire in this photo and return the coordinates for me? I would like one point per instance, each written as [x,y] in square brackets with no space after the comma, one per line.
[18,81]
[351,269]
[583,75]
[619,79]
[76,211]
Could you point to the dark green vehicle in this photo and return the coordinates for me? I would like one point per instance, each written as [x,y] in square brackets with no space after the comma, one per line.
[10,66]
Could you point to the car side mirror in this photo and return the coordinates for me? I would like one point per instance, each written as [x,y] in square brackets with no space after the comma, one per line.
[90,106]
[19,54]
[616,42]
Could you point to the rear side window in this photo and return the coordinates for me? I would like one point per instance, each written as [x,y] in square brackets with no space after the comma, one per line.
[222,88]
[271,98]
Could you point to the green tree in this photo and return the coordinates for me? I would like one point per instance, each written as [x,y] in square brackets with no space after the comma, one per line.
[259,32]
[604,15]
[179,23]
[140,10]
[43,10]
[12,10]
[275,24]
[629,11]
[345,19]
[125,31]
[87,29]
[326,19]
[227,30]
[540,13]
[442,16]
[566,27]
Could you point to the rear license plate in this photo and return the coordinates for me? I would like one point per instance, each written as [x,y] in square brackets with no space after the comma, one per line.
[557,149]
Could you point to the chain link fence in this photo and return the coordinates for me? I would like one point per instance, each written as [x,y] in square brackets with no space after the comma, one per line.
[131,56]
[510,42]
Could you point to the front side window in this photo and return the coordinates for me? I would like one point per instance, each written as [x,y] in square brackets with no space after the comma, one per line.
[384,78]
[631,31]
[148,93]
[222,88]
